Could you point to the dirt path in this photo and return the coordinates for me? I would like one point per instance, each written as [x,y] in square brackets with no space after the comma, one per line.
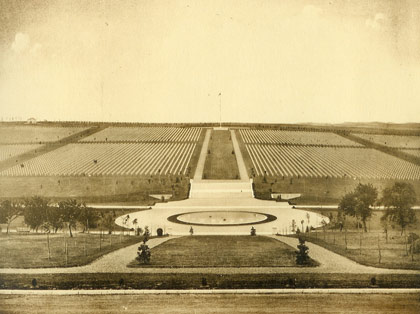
[239,159]
[198,175]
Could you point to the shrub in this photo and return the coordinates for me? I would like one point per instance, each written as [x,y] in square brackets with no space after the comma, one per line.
[253,231]
[302,256]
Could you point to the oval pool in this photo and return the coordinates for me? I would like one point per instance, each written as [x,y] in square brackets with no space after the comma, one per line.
[221,218]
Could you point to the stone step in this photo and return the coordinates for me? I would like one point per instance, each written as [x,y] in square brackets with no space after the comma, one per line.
[221,189]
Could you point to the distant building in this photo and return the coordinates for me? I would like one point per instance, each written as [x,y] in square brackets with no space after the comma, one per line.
[31,121]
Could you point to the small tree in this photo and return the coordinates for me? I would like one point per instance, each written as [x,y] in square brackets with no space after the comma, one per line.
[398,201]
[9,211]
[191,230]
[302,256]
[135,223]
[144,254]
[146,233]
[308,219]
[385,226]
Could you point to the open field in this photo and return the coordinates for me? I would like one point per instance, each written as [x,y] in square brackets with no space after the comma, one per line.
[221,161]
[95,188]
[11,150]
[145,134]
[127,170]
[35,134]
[216,303]
[329,161]
[294,138]
[396,141]
[31,250]
[108,159]
[368,248]
[222,251]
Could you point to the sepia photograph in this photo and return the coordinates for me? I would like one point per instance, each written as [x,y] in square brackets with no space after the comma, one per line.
[209,156]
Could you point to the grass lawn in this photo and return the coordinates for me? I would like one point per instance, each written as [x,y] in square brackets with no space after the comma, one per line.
[31,250]
[214,303]
[363,248]
[220,163]
[222,251]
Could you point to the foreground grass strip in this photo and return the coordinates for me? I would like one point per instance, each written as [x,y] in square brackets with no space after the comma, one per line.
[175,281]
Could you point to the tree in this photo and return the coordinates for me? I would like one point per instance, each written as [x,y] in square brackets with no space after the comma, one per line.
[385,226]
[54,219]
[35,212]
[358,203]
[107,221]
[88,217]
[307,218]
[302,256]
[136,228]
[191,230]
[398,201]
[293,225]
[146,233]
[70,211]
[9,211]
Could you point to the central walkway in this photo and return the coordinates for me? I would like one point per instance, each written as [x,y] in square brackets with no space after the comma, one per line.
[221,189]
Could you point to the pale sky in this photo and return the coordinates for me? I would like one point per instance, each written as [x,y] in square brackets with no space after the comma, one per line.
[167,61]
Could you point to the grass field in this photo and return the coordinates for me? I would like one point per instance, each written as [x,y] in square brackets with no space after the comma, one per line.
[95,188]
[27,251]
[368,248]
[217,303]
[393,251]
[220,162]
[222,251]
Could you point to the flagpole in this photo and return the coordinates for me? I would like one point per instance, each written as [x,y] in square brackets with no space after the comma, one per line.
[220,109]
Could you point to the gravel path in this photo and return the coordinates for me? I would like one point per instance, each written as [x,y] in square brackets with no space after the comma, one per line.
[198,175]
[116,262]
[239,159]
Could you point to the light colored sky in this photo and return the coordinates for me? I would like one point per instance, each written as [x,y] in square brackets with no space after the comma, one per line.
[166,61]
